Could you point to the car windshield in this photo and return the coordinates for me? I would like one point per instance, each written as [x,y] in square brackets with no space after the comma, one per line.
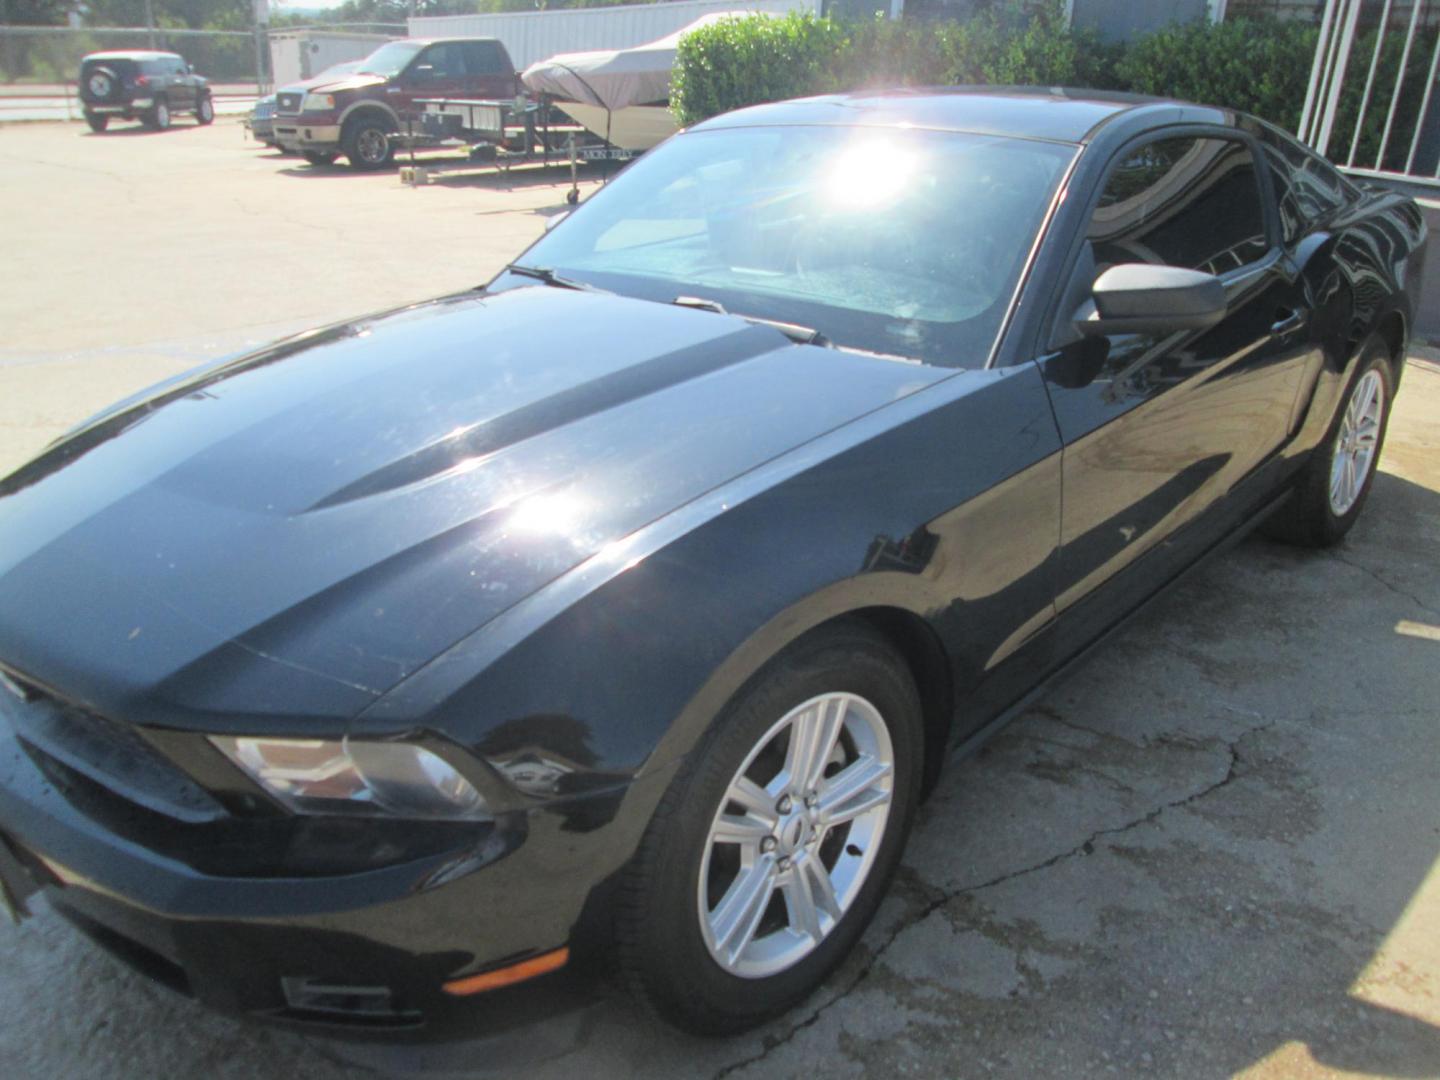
[390,59]
[346,68]
[896,241]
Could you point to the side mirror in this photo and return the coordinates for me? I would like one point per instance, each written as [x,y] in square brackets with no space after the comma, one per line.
[1140,298]
[555,219]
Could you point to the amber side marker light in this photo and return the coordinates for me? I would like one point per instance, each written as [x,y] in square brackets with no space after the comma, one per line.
[509,976]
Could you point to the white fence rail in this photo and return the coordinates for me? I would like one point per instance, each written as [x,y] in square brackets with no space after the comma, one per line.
[1371,102]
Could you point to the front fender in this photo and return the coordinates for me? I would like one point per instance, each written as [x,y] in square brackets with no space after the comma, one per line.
[944,505]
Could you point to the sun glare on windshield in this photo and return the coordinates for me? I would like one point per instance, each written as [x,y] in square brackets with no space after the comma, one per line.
[869,174]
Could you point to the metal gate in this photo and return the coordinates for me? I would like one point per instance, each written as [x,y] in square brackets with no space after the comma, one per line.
[1371,104]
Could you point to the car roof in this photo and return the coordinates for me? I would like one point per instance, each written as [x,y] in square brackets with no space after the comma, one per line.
[444,40]
[132,54]
[1057,114]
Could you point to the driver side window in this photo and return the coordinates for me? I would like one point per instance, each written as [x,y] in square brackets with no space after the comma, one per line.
[1187,202]
[444,61]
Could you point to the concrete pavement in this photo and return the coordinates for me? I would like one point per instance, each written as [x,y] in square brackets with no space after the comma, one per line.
[1211,851]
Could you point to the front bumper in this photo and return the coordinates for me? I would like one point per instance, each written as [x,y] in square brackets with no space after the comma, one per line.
[295,133]
[363,954]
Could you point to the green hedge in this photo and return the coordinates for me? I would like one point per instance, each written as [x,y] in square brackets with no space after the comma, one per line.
[747,60]
[1261,66]
[1258,66]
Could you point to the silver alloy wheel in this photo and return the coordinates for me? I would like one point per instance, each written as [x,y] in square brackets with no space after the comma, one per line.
[1355,444]
[796,835]
[373,145]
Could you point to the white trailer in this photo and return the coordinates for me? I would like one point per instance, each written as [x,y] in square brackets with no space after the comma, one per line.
[296,55]
[529,36]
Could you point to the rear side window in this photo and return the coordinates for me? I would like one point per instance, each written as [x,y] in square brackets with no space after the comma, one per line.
[1189,202]
[123,68]
[1307,187]
[483,58]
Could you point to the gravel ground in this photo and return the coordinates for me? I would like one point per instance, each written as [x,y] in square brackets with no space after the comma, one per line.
[1210,851]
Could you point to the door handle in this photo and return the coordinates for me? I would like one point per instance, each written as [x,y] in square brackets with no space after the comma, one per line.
[1289,322]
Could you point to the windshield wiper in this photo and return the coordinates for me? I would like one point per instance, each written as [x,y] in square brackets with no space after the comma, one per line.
[801,335]
[550,277]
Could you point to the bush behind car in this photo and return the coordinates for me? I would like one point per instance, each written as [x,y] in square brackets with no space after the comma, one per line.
[1257,65]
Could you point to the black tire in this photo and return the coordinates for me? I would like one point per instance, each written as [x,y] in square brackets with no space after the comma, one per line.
[368,143]
[158,118]
[205,110]
[1309,517]
[97,123]
[319,157]
[662,949]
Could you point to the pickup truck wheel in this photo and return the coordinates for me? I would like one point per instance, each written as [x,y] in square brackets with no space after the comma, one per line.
[97,123]
[159,117]
[319,157]
[367,143]
[205,111]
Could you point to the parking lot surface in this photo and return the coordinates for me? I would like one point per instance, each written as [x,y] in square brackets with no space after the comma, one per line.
[1212,850]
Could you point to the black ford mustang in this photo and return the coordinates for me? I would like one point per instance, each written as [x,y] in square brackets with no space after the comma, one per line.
[407,673]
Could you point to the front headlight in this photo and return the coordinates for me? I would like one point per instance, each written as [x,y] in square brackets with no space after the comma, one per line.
[327,776]
[319,102]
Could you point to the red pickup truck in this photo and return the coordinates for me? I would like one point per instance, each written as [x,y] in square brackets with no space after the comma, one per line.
[366,114]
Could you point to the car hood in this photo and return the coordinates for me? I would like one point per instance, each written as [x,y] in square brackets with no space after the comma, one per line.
[335,84]
[293,532]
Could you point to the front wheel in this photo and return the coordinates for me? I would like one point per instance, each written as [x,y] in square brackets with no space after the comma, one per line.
[368,144]
[1333,486]
[318,157]
[771,851]
[159,118]
[205,111]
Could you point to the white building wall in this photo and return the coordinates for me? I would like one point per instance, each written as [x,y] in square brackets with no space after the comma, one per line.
[536,35]
[299,55]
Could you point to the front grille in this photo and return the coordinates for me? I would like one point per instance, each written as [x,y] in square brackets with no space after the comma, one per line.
[288,104]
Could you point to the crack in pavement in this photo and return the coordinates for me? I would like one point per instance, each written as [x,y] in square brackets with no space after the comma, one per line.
[1388,584]
[1085,847]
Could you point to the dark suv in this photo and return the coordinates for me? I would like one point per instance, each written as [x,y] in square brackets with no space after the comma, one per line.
[363,115]
[141,85]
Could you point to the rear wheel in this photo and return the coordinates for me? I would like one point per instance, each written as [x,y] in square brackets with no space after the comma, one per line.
[97,123]
[205,111]
[771,851]
[318,157]
[1332,488]
[159,117]
[368,144]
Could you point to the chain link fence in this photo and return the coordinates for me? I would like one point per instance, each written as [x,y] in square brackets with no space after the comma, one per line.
[50,55]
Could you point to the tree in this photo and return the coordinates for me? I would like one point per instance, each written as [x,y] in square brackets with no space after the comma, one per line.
[33,12]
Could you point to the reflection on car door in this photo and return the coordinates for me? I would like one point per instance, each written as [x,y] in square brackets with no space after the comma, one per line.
[1157,428]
